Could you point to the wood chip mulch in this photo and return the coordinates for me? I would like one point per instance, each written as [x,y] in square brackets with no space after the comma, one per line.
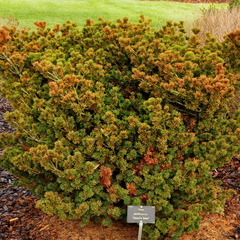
[19,219]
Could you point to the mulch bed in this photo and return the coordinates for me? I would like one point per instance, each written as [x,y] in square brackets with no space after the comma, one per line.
[20,220]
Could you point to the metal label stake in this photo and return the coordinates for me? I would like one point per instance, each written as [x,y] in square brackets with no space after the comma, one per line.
[140,230]
[140,214]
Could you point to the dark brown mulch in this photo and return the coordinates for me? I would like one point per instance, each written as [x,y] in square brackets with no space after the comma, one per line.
[4,127]
[229,174]
[19,219]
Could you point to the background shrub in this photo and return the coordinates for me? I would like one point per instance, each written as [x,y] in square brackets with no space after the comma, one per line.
[115,115]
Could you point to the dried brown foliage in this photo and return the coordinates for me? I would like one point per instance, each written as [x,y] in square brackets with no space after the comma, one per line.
[40,24]
[131,189]
[149,157]
[105,174]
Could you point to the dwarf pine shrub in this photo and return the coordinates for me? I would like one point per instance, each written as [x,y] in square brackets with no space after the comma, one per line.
[115,115]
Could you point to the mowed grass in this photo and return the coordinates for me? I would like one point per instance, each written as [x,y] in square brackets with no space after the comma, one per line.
[59,11]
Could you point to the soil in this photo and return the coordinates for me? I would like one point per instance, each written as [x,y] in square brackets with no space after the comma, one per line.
[20,220]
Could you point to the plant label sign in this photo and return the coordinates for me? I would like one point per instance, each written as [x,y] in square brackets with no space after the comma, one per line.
[144,214]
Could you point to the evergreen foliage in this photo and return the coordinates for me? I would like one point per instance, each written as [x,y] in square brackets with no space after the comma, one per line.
[231,46]
[115,115]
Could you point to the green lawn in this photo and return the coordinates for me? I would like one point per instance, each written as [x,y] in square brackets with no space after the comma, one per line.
[59,11]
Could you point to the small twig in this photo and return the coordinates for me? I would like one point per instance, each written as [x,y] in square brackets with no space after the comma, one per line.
[95,168]
[25,104]
[31,136]
[55,167]
[54,76]
[44,228]
[13,219]
[24,91]
[13,65]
